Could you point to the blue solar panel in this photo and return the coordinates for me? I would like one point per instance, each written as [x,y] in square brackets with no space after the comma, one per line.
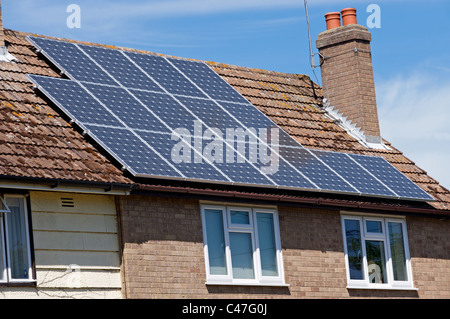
[304,161]
[140,107]
[167,109]
[354,174]
[267,160]
[72,61]
[165,74]
[127,108]
[207,80]
[248,115]
[209,113]
[183,158]
[75,101]
[120,68]
[391,177]
[285,175]
[132,152]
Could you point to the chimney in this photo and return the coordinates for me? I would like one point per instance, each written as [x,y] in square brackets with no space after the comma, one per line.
[347,72]
[5,56]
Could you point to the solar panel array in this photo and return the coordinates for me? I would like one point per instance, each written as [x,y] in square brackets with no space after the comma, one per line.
[142,109]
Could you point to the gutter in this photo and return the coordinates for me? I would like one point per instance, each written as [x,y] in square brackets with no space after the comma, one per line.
[62,185]
[290,201]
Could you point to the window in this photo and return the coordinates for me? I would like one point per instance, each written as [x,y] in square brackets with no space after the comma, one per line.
[242,246]
[15,253]
[376,252]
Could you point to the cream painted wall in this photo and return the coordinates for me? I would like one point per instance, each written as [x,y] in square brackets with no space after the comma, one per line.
[76,248]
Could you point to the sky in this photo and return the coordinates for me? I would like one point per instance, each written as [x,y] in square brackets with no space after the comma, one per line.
[410,49]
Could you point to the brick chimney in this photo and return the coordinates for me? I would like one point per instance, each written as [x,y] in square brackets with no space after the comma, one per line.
[2,32]
[347,72]
[5,56]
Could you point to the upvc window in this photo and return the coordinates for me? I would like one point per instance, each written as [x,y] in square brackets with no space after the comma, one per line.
[15,253]
[242,246]
[376,252]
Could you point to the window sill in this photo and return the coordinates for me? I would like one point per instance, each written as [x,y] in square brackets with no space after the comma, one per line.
[383,288]
[262,284]
[31,283]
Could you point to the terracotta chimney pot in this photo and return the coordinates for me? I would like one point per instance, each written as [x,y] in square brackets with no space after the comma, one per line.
[333,20]
[348,16]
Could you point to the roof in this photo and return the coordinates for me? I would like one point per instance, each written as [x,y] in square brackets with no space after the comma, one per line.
[36,142]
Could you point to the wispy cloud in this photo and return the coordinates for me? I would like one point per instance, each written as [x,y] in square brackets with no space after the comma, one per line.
[414,111]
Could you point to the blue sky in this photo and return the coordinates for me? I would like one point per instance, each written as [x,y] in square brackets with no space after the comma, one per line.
[411,49]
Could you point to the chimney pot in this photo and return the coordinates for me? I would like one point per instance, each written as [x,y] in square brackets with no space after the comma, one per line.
[348,16]
[333,20]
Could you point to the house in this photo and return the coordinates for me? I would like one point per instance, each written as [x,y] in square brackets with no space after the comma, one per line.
[90,229]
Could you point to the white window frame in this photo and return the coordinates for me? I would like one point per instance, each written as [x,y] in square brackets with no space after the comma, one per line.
[251,228]
[4,249]
[384,237]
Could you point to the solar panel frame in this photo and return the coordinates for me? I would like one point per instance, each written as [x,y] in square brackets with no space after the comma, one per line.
[228,106]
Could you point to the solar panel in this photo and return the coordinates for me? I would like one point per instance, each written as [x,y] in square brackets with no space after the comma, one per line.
[207,80]
[178,119]
[209,113]
[364,182]
[76,102]
[133,153]
[316,170]
[120,102]
[71,60]
[165,74]
[390,176]
[120,68]
[190,169]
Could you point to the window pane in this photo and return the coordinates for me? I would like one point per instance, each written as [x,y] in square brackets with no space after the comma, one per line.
[216,242]
[376,261]
[267,248]
[17,229]
[354,249]
[397,251]
[2,251]
[238,217]
[241,255]
[374,226]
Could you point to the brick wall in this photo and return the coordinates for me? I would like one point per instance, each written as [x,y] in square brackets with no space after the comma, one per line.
[347,75]
[429,244]
[163,254]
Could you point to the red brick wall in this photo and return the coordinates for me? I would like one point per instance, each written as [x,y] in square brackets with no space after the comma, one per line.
[429,244]
[163,254]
